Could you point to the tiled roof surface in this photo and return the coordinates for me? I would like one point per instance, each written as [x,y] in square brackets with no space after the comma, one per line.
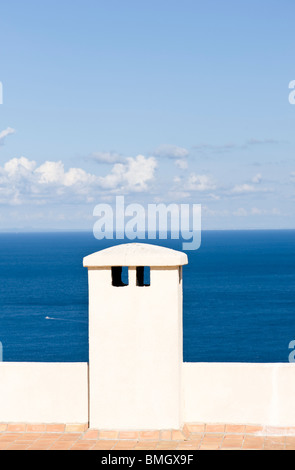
[197,436]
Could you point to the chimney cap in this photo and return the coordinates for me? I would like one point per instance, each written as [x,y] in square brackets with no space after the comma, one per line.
[135,254]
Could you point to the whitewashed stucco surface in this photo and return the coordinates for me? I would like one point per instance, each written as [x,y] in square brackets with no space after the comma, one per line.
[43,392]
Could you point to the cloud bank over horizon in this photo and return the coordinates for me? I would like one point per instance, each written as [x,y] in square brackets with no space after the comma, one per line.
[170,174]
[23,181]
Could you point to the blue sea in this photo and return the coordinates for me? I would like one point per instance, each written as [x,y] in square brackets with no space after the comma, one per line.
[239,296]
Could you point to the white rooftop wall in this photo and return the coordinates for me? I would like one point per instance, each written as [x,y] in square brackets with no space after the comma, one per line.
[36,392]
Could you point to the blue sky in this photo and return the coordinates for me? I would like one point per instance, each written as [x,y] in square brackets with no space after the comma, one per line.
[160,101]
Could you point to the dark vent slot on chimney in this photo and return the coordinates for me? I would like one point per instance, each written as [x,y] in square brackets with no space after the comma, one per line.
[143,276]
[120,276]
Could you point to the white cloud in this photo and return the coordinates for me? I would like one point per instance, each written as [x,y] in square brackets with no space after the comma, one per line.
[230,146]
[241,212]
[5,133]
[19,167]
[22,181]
[134,175]
[257,178]
[178,154]
[256,211]
[243,189]
[215,213]
[255,141]
[51,173]
[171,151]
[252,188]
[203,148]
[200,183]
[106,157]
[182,164]
[215,197]
[177,179]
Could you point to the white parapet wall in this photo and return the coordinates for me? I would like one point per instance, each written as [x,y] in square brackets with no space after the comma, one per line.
[239,393]
[36,392]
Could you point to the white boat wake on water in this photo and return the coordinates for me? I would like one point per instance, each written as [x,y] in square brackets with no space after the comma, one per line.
[64,319]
